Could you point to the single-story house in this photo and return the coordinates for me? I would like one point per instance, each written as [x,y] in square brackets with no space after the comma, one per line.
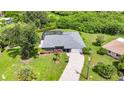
[62,40]
[115,48]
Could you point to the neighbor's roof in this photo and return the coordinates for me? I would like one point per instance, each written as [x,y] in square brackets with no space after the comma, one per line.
[116,46]
[67,39]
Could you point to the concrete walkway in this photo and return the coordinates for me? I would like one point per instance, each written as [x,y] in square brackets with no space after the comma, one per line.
[73,68]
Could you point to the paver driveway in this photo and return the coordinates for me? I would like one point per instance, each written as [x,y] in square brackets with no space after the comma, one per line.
[73,68]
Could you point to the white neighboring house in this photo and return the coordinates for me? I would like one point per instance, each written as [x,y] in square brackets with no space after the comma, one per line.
[115,48]
[6,20]
[67,41]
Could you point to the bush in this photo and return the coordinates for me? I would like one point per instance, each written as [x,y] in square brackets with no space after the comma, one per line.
[121,59]
[49,26]
[26,74]
[121,66]
[86,50]
[39,30]
[40,50]
[106,71]
[102,51]
[99,40]
[120,74]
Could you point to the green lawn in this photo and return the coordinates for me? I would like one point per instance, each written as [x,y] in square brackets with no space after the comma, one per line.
[89,39]
[43,66]
[46,69]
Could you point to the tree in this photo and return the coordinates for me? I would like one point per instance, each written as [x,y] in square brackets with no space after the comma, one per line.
[120,69]
[56,57]
[86,50]
[38,18]
[16,15]
[99,40]
[28,39]
[121,64]
[106,71]
[12,35]
[2,44]
[102,51]
[23,35]
[26,74]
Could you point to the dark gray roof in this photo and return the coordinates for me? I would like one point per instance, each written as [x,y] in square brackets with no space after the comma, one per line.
[67,39]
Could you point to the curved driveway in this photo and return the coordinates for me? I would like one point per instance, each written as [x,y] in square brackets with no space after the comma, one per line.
[73,68]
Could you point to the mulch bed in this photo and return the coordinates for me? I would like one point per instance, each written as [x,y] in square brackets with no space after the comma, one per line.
[45,53]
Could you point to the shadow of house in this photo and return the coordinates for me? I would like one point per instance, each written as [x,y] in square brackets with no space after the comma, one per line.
[17,51]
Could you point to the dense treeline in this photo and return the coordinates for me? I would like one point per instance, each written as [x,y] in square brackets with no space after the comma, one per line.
[93,22]
[90,22]
[33,17]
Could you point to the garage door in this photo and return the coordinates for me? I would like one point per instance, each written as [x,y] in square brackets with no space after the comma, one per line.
[76,50]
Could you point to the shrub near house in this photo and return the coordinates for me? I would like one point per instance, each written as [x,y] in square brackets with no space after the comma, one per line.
[86,50]
[120,66]
[102,51]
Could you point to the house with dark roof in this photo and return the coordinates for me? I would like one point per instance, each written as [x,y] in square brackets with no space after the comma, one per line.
[62,40]
[115,48]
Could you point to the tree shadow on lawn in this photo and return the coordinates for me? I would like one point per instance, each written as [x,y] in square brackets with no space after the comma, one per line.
[13,52]
[95,44]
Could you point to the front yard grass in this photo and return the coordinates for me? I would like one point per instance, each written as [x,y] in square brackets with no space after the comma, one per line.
[89,39]
[43,66]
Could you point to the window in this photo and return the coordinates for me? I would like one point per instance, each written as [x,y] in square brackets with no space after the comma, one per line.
[109,51]
[117,55]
